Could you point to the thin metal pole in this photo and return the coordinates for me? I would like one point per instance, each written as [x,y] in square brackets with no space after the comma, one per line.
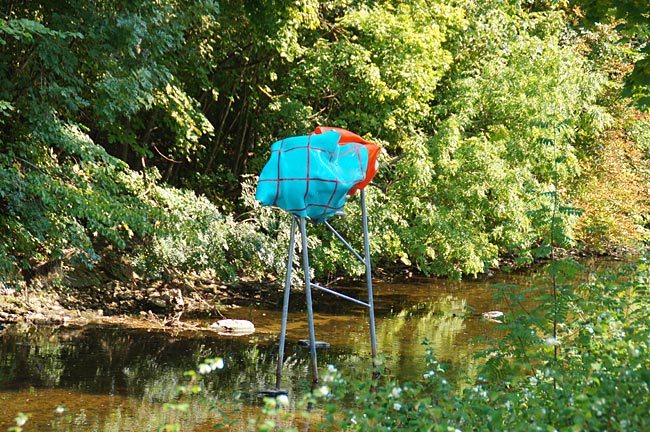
[285,304]
[371,306]
[344,241]
[310,310]
[338,294]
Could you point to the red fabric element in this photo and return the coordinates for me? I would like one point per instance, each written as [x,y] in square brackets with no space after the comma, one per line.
[348,137]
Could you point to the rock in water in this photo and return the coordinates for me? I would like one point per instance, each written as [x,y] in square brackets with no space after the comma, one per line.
[493,316]
[233,327]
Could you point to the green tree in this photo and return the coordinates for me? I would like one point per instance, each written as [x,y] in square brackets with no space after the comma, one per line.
[632,19]
[74,76]
[481,109]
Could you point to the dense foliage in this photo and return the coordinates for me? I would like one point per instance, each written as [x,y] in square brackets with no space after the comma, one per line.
[140,126]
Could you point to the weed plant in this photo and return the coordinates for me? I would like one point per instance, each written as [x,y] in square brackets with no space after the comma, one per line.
[591,373]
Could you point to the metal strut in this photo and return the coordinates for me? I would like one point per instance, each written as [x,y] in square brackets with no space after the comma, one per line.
[302,225]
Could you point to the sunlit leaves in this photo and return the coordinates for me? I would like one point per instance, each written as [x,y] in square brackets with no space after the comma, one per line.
[27,30]
[512,136]
[613,191]
[484,109]
[630,18]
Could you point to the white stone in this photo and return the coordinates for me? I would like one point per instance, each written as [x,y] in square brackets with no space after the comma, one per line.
[233,326]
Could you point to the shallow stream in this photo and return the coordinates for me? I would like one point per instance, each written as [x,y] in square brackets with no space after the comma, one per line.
[111,378]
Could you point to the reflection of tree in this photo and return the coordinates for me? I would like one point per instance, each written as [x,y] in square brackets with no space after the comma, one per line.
[100,363]
[146,367]
[402,336]
[30,358]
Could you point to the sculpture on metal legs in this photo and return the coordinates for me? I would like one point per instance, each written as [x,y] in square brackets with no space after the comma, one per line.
[311,177]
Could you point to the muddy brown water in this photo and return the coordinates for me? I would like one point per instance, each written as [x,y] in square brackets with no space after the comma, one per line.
[110,378]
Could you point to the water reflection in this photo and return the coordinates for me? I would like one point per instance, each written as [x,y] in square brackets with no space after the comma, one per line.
[117,379]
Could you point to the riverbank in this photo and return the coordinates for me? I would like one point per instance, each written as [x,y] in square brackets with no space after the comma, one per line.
[82,298]
[121,297]
[113,293]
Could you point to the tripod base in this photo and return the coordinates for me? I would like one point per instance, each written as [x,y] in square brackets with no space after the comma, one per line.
[318,344]
[312,343]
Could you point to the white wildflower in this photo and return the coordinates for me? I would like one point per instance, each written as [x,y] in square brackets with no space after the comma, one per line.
[217,363]
[429,374]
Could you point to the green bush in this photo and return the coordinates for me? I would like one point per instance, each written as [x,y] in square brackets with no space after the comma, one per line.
[195,237]
[591,374]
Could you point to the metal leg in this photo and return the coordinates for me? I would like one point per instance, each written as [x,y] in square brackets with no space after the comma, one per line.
[285,304]
[310,311]
[308,293]
[371,306]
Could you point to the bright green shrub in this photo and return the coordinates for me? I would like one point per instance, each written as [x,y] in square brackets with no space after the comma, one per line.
[597,378]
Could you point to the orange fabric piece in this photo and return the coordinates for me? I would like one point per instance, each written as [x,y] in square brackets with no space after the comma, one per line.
[348,137]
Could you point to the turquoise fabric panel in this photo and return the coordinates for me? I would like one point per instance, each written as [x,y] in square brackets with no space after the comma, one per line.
[311,175]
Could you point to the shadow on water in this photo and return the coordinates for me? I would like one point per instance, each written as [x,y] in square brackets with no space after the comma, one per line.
[118,379]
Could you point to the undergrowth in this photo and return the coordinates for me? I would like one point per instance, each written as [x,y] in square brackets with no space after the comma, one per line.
[592,375]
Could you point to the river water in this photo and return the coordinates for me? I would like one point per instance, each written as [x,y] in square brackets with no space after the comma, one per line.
[118,379]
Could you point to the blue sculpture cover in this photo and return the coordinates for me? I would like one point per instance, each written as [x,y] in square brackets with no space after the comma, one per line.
[311,175]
